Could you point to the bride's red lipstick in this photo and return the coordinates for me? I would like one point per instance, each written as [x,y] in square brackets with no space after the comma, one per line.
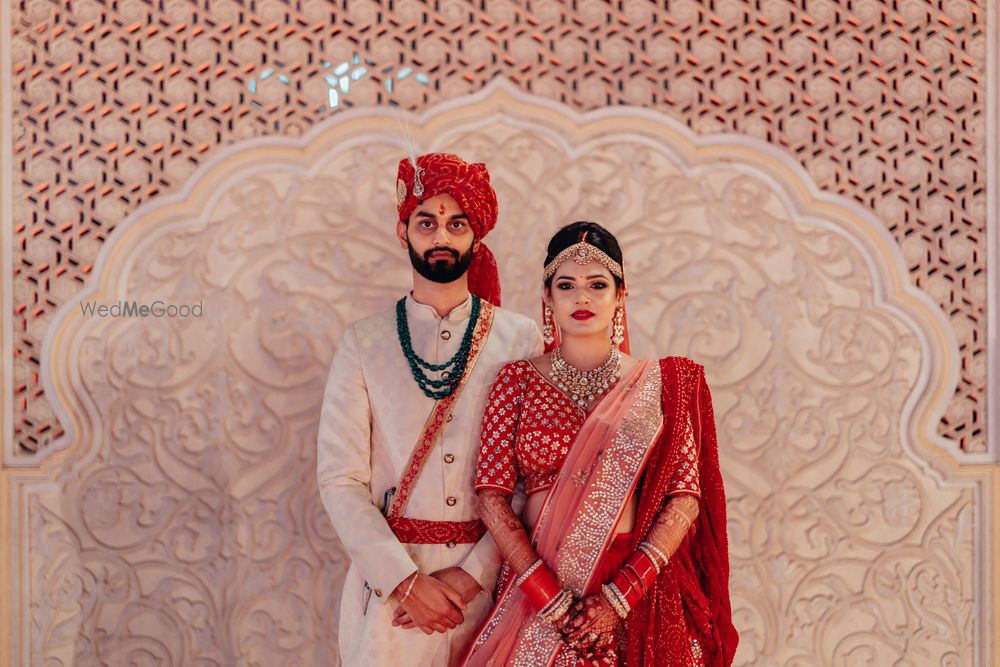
[582,315]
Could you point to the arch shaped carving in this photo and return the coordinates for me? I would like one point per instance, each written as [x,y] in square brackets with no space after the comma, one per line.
[182,500]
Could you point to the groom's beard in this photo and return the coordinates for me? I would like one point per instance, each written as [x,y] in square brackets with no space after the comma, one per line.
[440,270]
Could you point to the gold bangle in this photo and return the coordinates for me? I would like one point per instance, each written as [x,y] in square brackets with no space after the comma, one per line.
[409,587]
[612,595]
[556,610]
[551,604]
[527,573]
[658,557]
[621,597]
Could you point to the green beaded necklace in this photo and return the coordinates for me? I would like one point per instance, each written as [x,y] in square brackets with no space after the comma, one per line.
[436,389]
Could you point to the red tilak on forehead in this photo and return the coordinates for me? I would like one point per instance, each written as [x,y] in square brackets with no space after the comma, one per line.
[441,209]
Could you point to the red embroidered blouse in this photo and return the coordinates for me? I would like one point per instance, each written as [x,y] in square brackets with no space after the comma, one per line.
[528,428]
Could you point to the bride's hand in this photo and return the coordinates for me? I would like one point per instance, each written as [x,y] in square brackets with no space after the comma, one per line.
[562,623]
[590,627]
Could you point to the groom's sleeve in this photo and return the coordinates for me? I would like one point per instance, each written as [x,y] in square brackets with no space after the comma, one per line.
[483,563]
[343,471]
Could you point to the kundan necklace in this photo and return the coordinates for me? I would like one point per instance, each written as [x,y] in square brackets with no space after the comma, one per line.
[453,369]
[585,386]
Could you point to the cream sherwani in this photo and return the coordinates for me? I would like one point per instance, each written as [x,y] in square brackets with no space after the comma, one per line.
[373,412]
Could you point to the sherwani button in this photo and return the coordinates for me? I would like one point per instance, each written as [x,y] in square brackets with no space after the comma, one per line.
[449,458]
[451,500]
[446,335]
[450,417]
[450,544]
[378,593]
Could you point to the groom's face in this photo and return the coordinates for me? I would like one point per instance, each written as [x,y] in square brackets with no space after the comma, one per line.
[439,239]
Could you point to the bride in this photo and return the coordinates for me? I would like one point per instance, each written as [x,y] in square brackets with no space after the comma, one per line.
[620,554]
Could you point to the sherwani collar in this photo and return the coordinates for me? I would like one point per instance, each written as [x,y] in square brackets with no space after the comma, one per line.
[421,311]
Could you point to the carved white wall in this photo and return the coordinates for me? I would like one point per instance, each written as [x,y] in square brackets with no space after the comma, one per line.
[177,523]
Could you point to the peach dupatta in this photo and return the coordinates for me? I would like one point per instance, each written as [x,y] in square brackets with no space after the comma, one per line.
[579,516]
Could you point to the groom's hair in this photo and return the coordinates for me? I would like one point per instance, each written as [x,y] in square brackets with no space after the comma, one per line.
[597,236]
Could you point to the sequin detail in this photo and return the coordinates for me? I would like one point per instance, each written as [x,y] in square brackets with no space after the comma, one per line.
[615,472]
[697,656]
[685,479]
[528,427]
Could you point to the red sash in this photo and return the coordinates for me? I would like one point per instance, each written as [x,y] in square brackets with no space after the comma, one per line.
[419,531]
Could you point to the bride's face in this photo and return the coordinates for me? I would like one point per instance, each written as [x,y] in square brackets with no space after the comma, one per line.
[583,298]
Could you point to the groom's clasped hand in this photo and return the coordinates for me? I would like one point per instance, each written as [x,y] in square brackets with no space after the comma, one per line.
[436,601]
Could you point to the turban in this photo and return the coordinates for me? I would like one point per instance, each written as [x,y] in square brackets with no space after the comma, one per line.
[469,185]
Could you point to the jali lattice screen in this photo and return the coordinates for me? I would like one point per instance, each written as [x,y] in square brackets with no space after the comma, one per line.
[117,101]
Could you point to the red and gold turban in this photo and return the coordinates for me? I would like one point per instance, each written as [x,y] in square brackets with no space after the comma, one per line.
[469,185]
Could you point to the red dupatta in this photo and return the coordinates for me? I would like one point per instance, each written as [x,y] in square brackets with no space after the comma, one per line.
[691,595]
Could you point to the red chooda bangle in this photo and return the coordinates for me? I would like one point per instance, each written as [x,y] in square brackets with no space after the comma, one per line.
[638,565]
[539,586]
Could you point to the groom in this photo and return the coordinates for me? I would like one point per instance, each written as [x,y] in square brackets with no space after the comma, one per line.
[400,427]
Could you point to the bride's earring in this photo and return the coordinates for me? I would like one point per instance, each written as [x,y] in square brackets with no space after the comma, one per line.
[618,328]
[548,328]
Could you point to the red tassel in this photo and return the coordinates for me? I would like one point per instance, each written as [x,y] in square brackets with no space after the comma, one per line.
[484,279]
